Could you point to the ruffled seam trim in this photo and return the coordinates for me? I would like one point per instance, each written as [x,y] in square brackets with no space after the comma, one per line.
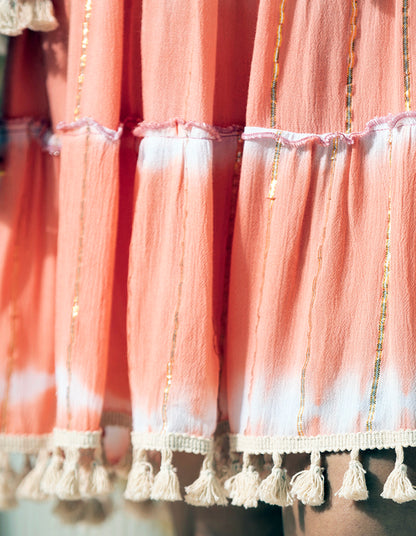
[108,133]
[295,139]
[213,132]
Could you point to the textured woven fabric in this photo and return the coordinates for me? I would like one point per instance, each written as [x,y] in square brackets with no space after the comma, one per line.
[234,233]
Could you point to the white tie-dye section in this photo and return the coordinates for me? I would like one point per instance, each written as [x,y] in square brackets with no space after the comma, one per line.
[273,411]
[391,401]
[343,404]
[27,386]
[180,419]
[159,148]
[79,395]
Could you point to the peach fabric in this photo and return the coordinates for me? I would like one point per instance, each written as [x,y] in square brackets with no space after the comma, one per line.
[288,308]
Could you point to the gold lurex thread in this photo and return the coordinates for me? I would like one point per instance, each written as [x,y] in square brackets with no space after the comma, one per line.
[75,301]
[351,58]
[83,57]
[276,66]
[406,72]
[320,247]
[383,309]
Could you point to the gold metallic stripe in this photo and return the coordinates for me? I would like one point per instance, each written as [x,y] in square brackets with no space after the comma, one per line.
[308,349]
[276,67]
[75,300]
[406,72]
[83,57]
[351,58]
[383,310]
[272,197]
[171,362]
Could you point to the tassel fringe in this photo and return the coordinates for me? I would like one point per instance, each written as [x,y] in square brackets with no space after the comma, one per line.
[243,488]
[100,485]
[398,487]
[207,489]
[16,15]
[53,473]
[77,475]
[68,485]
[308,486]
[354,486]
[8,482]
[166,484]
[140,479]
[275,489]
[43,19]
[30,485]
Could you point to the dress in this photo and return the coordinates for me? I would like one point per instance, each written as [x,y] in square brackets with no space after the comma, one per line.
[211,241]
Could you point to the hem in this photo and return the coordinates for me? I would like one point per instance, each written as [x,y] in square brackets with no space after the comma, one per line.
[171,441]
[383,439]
[73,439]
[24,443]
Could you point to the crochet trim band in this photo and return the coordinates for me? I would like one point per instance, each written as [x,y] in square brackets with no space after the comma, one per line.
[385,439]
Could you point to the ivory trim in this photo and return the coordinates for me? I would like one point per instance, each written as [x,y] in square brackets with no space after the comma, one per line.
[73,439]
[176,442]
[25,444]
[384,439]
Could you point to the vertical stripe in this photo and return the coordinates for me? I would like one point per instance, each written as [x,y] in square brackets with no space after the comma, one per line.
[276,66]
[171,362]
[406,72]
[383,309]
[75,299]
[272,197]
[319,255]
[83,57]
[351,58]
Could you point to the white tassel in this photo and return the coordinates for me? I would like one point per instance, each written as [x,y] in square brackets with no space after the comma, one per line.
[207,489]
[308,485]
[53,473]
[84,479]
[30,486]
[100,481]
[275,489]
[140,479]
[8,482]
[15,16]
[93,478]
[398,486]
[43,19]
[354,486]
[68,485]
[166,484]
[243,488]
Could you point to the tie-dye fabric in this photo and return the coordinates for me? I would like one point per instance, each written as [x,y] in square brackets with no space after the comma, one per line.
[207,233]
